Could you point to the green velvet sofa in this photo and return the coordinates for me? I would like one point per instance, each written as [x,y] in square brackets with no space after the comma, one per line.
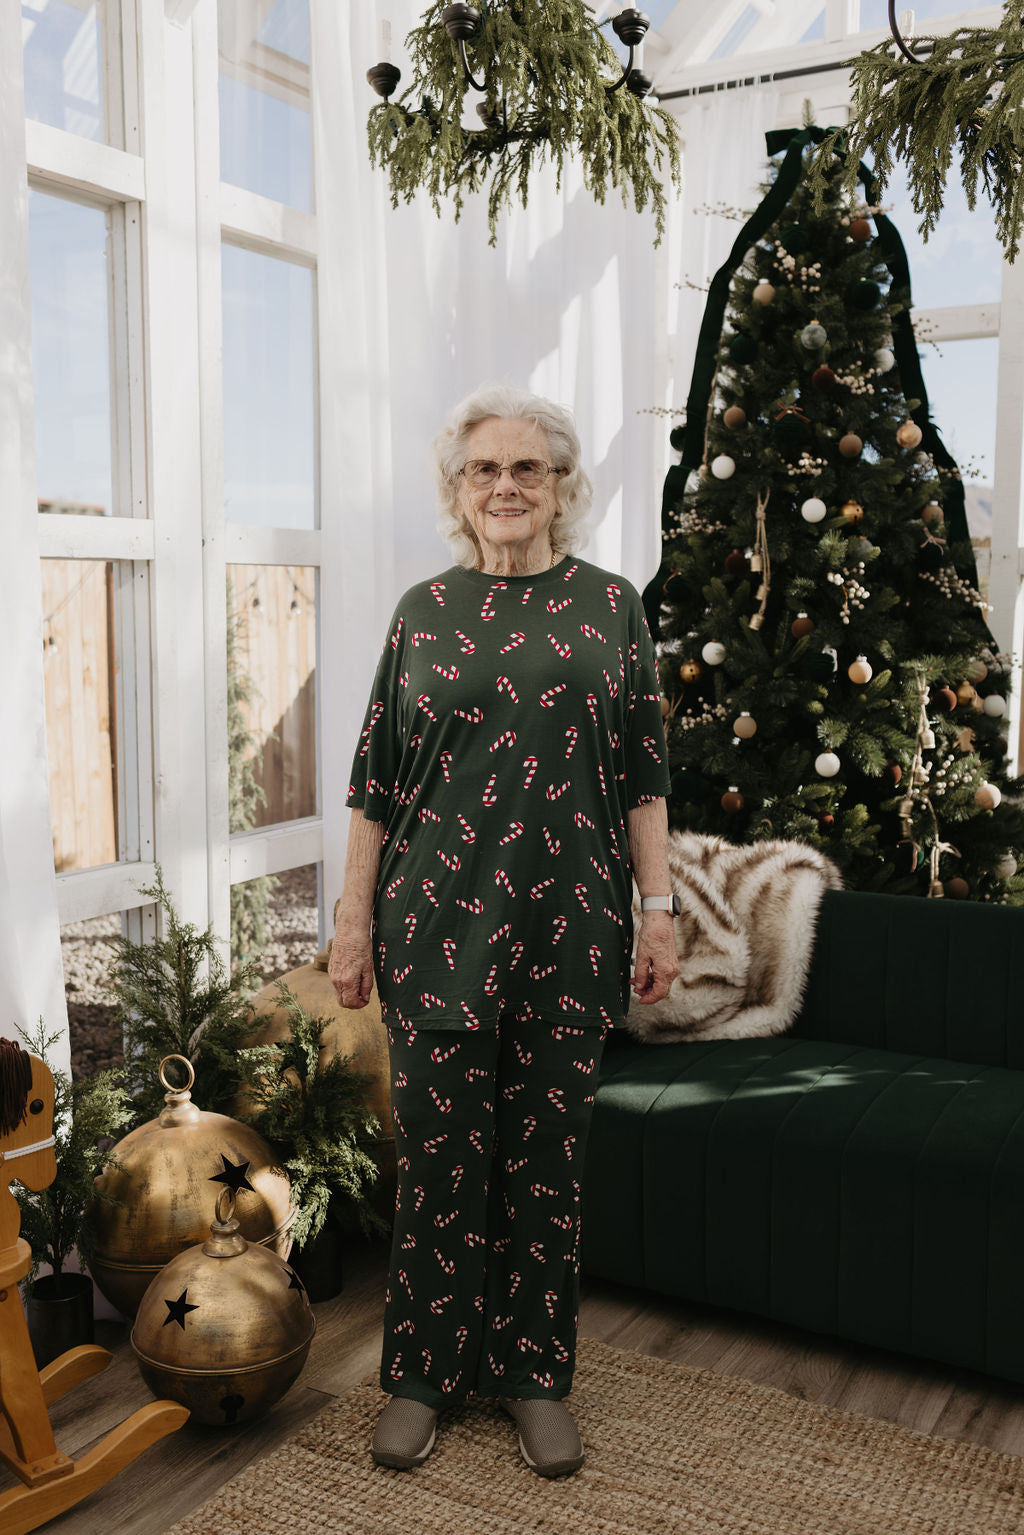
[862,1175]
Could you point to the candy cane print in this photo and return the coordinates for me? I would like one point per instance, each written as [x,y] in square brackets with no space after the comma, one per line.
[510,1209]
[426,815]
[565,1002]
[457,1174]
[403,678]
[561,1352]
[613,687]
[496,1369]
[592,706]
[474,715]
[461,1334]
[375,786]
[525,1056]
[428,891]
[525,1012]
[437,1306]
[467,646]
[407,1326]
[527,1343]
[450,1382]
[445,760]
[449,952]
[571,735]
[505,686]
[614,740]
[449,673]
[555,791]
[613,592]
[400,975]
[444,1104]
[473,1021]
[537,1189]
[581,820]
[395,1373]
[513,1088]
[515,829]
[517,954]
[501,878]
[613,914]
[514,639]
[501,932]
[571,571]
[513,1167]
[526,596]
[538,890]
[595,955]
[500,1322]
[394,637]
[454,862]
[581,896]
[585,1066]
[410,1241]
[563,1222]
[489,797]
[474,1139]
[404,1279]
[490,985]
[421,1195]
[423,702]
[507,738]
[547,698]
[487,611]
[472,1239]
[375,714]
[554,844]
[564,650]
[403,846]
[474,907]
[593,634]
[401,1080]
[408,795]
[547,1380]
[437,591]
[568,1144]
[439,1055]
[499,1247]
[448,1264]
[473,1073]
[614,841]
[445,1220]
[651,746]
[530,764]
[538,974]
[390,889]
[560,924]
[530,1125]
[537,1251]
[560,1030]
[410,926]
[468,834]
[421,637]
[517,1280]
[602,868]
[556,607]
[428,1000]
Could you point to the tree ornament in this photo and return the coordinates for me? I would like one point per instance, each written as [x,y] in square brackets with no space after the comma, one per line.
[813,509]
[859,671]
[744,726]
[823,378]
[860,230]
[714,652]
[743,349]
[764,293]
[965,695]
[895,772]
[735,563]
[677,440]
[813,337]
[994,706]
[852,511]
[827,764]
[850,445]
[932,513]
[945,699]
[1006,868]
[977,671]
[965,739]
[801,625]
[732,800]
[735,417]
[863,295]
[885,359]
[909,434]
[675,587]
[957,888]
[826,819]
[666,707]
[689,671]
[988,796]
[723,467]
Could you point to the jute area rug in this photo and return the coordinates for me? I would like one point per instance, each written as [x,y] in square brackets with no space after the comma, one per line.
[669,1448]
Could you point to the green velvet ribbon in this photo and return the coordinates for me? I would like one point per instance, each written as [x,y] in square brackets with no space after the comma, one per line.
[709,342]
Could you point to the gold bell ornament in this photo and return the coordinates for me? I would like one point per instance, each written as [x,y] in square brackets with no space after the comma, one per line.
[168,1176]
[225,1328]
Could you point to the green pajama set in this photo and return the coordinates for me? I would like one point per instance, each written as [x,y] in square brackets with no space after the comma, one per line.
[513,723]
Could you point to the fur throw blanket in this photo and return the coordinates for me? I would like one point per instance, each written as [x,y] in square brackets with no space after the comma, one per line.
[744,938]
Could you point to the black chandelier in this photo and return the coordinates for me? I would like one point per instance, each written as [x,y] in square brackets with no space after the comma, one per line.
[462,22]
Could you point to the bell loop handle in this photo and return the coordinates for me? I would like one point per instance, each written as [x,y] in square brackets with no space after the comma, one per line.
[225,1205]
[169,1086]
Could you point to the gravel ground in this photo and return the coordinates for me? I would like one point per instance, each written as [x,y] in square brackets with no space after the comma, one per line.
[87,950]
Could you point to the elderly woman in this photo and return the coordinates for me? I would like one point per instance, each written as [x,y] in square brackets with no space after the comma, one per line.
[509,783]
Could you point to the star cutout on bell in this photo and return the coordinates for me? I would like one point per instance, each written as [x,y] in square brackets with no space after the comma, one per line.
[296,1282]
[233,1175]
[177,1309]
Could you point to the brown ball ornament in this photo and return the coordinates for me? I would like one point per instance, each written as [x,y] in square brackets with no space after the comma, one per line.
[909,434]
[852,511]
[735,417]
[764,293]
[801,625]
[826,819]
[932,513]
[850,445]
[823,377]
[744,726]
[945,699]
[732,801]
[665,707]
[690,671]
[895,772]
[860,230]
[957,888]
[736,563]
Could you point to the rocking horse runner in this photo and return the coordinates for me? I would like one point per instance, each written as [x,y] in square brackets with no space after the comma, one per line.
[52,1481]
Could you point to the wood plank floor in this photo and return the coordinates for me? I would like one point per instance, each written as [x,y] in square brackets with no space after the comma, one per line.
[182,1471]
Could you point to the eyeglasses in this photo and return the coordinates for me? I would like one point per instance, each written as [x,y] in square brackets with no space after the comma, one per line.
[527,472]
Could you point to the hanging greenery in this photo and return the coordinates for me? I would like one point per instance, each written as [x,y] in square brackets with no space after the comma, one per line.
[546,64]
[964,97]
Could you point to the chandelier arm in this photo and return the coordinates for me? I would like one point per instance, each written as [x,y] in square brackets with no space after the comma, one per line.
[625,73]
[480,86]
[896,35]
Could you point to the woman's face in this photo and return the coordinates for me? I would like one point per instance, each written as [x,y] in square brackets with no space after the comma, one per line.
[508,519]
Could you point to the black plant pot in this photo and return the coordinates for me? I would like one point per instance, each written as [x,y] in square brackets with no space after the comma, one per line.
[319,1263]
[59,1315]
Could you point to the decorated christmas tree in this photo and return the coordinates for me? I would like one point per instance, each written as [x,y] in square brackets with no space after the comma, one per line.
[827,667]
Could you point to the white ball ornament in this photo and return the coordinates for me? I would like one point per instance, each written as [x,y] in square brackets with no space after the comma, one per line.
[723,467]
[988,796]
[884,359]
[827,764]
[994,706]
[1006,868]
[813,509]
[714,652]
[859,671]
[813,336]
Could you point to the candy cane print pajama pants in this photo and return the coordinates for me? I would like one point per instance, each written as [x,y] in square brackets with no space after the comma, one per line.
[491,1131]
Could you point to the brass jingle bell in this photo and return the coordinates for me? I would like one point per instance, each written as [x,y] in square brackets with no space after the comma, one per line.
[168,1175]
[225,1328]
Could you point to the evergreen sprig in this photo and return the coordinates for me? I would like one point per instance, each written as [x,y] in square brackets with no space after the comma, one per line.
[312,1111]
[86,1114]
[547,65]
[174,997]
[965,96]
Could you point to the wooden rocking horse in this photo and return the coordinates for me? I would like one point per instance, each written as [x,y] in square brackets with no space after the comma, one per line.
[52,1481]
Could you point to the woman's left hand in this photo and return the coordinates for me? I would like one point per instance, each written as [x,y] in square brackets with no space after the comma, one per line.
[657,964]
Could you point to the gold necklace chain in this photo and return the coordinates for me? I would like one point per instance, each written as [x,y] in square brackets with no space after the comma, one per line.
[491,572]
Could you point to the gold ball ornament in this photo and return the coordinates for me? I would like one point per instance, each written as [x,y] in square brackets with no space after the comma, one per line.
[850,445]
[744,726]
[988,796]
[852,511]
[977,671]
[932,513]
[909,434]
[859,671]
[965,694]
[690,670]
[764,293]
[801,625]
[225,1328]
[732,800]
[735,417]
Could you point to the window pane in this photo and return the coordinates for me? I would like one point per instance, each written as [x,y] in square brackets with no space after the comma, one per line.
[963,242]
[264,99]
[63,47]
[277,921]
[272,694]
[269,433]
[875,13]
[87,950]
[961,378]
[70,354]
[80,672]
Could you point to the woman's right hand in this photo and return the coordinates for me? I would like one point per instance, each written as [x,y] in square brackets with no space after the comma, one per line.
[351,964]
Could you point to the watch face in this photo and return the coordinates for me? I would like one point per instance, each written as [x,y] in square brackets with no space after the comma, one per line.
[677,905]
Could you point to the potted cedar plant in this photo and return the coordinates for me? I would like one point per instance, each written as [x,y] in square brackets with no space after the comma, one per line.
[311,1106]
[88,1114]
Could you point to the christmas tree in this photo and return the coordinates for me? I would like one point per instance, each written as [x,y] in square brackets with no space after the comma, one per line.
[828,672]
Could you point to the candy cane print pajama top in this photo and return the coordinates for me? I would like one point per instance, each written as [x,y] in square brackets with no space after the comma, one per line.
[513,723]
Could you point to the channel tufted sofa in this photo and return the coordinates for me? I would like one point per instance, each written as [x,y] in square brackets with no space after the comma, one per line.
[861,1176]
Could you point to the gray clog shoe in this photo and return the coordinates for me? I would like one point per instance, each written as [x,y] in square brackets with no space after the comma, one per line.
[548,1438]
[405,1433]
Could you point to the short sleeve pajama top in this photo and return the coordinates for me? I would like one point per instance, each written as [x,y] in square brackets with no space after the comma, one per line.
[513,723]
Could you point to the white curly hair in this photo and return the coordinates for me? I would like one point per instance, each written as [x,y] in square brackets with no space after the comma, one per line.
[574,490]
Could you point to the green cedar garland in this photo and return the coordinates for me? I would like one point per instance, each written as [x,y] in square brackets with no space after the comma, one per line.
[547,66]
[965,96]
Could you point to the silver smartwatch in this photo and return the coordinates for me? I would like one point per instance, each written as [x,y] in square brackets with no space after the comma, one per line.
[670,903]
